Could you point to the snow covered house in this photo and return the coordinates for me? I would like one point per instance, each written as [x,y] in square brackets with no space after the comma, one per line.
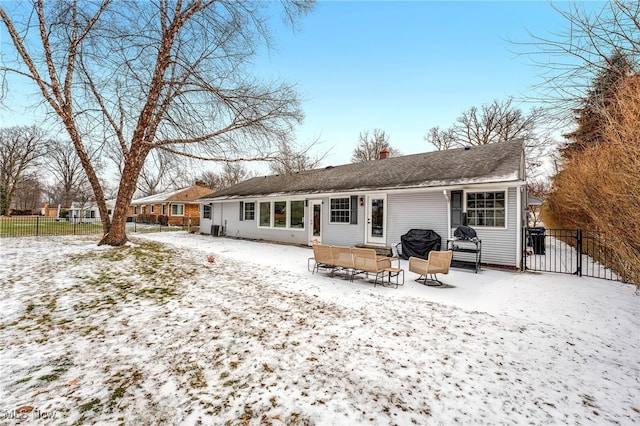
[376,202]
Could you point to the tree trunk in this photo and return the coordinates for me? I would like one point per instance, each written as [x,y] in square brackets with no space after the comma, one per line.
[116,233]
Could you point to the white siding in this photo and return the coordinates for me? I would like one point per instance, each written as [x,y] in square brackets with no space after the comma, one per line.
[405,211]
[416,211]
[228,215]
[342,234]
[499,245]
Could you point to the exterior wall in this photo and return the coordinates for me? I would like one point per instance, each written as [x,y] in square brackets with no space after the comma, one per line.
[342,234]
[404,210]
[499,245]
[425,210]
[227,216]
[191,216]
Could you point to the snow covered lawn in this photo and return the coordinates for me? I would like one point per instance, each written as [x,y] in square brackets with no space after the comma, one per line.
[153,333]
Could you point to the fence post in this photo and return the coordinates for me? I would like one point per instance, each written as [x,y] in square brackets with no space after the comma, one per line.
[37,225]
[523,250]
[579,250]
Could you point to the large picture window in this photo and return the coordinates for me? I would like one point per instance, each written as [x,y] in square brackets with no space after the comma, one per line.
[279,214]
[486,209]
[265,214]
[297,214]
[340,209]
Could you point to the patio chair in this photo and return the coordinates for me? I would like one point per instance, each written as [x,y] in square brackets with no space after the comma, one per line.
[322,257]
[342,258]
[437,263]
[367,261]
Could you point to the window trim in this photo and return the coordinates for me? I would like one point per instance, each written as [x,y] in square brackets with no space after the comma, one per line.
[175,205]
[287,226]
[290,214]
[259,222]
[484,191]
[348,210]
[245,211]
[204,214]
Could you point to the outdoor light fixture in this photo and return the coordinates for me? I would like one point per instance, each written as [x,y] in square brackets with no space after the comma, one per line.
[361,201]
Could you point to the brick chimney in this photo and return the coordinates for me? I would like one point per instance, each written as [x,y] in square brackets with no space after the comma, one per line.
[384,154]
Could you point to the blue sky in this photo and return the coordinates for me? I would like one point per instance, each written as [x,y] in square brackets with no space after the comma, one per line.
[404,67]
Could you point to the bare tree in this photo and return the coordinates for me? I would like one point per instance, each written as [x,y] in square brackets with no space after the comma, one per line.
[499,121]
[158,173]
[28,196]
[441,139]
[64,164]
[146,75]
[371,145]
[293,159]
[232,173]
[571,59]
[538,188]
[20,149]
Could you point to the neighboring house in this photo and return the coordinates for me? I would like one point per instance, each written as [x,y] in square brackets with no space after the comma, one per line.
[175,207]
[534,205]
[53,211]
[375,202]
[86,212]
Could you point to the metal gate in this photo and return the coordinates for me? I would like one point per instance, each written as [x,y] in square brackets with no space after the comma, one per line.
[570,251]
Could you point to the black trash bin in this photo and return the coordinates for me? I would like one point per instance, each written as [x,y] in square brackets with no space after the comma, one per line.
[537,234]
[215,230]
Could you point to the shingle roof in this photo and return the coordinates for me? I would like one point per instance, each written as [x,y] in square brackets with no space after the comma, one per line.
[498,162]
[191,193]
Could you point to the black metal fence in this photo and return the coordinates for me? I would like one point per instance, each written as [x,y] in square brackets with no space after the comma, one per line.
[571,251]
[26,226]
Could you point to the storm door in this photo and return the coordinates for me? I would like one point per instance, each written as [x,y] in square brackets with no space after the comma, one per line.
[376,219]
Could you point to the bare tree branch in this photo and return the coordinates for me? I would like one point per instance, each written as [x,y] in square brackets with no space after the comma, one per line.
[131,77]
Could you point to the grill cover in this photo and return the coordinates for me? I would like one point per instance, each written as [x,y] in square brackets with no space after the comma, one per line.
[419,242]
[464,232]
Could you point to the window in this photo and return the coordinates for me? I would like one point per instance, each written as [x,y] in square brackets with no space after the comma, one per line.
[249,211]
[279,214]
[164,210]
[265,214]
[339,210]
[297,214]
[135,209]
[153,208]
[144,209]
[206,211]
[486,209]
[177,209]
[456,209]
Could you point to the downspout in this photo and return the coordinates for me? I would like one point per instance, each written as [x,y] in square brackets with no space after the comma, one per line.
[519,224]
[446,196]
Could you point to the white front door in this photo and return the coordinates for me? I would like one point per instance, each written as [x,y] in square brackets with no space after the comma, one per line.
[376,219]
[315,221]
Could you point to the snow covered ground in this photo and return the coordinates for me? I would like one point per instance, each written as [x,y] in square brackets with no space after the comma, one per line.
[153,333]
